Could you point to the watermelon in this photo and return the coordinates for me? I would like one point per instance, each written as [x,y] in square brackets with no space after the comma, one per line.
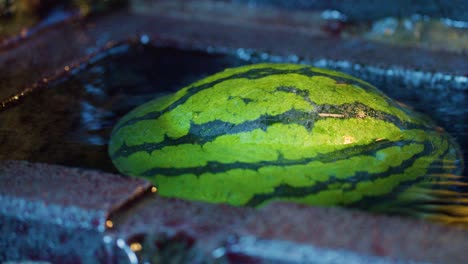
[258,133]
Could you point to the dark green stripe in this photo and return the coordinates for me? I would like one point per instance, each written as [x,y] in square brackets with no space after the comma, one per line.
[288,191]
[207,132]
[352,109]
[434,168]
[218,167]
[250,74]
[296,91]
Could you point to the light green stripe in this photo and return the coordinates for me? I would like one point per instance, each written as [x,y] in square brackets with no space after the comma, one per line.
[289,140]
[234,185]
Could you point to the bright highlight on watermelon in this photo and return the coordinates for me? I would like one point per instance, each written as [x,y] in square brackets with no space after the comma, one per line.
[264,132]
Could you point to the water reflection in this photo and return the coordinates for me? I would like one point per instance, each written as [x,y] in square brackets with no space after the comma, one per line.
[93,119]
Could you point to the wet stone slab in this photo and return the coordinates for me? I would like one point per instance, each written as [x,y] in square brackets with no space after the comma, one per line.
[58,213]
[71,196]
[296,232]
[165,230]
[68,215]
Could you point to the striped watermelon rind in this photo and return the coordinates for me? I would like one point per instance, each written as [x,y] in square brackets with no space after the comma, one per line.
[264,132]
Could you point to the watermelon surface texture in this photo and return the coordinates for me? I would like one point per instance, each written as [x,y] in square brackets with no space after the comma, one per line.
[264,132]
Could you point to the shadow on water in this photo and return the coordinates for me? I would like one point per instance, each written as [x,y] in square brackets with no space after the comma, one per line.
[69,121]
